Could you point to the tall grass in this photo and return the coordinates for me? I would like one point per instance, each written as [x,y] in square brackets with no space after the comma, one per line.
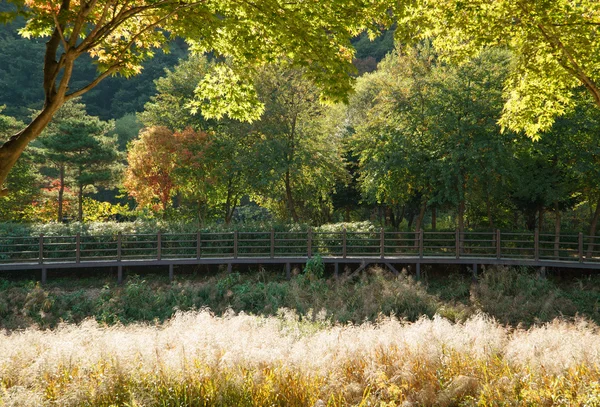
[198,359]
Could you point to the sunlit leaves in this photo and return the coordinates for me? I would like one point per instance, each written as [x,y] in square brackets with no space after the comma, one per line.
[556,45]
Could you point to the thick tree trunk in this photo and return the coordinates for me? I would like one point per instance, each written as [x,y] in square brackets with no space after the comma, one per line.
[556,229]
[289,197]
[12,149]
[592,231]
[61,192]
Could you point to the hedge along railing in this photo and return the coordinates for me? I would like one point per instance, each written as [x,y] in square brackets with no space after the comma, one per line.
[280,245]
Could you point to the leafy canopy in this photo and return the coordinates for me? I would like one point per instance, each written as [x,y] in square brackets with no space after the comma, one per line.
[555,43]
[120,35]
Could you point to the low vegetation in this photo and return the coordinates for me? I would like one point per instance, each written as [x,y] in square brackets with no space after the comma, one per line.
[511,296]
[199,359]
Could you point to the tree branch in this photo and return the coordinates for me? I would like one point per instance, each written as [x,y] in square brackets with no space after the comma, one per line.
[91,85]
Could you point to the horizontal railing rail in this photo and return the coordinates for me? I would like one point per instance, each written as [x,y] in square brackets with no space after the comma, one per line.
[378,244]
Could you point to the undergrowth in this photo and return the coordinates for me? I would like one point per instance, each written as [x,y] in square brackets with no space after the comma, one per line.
[511,296]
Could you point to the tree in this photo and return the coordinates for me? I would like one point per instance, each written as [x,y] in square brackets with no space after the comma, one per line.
[297,160]
[24,181]
[151,161]
[120,35]
[555,46]
[78,147]
[426,133]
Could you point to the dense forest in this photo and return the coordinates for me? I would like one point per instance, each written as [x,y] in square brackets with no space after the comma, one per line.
[420,144]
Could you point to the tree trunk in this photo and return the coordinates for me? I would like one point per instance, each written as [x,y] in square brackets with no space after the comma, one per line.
[556,229]
[433,218]
[461,223]
[289,197]
[541,219]
[12,149]
[488,205]
[61,192]
[419,223]
[592,232]
[80,203]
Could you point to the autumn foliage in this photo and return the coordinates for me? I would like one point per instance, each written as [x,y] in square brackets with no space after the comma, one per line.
[151,177]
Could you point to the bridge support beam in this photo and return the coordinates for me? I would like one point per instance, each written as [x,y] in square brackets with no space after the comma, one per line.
[336,270]
[119,275]
[171,276]
[418,269]
[288,270]
[474,270]
[44,275]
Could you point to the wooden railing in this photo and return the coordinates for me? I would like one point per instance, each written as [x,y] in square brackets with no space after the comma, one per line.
[420,245]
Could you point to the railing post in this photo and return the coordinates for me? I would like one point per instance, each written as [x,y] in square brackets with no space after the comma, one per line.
[421,233]
[41,248]
[158,246]
[381,243]
[198,245]
[309,243]
[119,246]
[344,239]
[78,247]
[498,244]
[457,243]
[536,244]
[272,243]
[580,241]
[235,244]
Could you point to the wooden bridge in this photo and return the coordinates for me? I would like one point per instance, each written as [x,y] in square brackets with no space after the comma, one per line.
[286,248]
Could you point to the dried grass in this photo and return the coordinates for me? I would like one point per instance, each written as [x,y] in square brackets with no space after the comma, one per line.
[197,359]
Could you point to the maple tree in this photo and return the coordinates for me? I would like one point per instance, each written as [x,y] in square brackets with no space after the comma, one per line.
[149,177]
[120,34]
[555,48]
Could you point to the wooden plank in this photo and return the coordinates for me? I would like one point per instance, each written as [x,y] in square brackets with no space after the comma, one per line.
[580,247]
[421,233]
[344,240]
[309,243]
[158,246]
[235,244]
[78,247]
[198,245]
[381,243]
[272,243]
[119,246]
[498,245]
[392,268]
[536,244]
[457,243]
[41,248]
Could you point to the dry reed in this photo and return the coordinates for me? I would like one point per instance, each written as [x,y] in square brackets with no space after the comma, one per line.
[197,359]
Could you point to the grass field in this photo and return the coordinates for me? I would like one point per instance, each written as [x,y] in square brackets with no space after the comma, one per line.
[197,359]
[510,338]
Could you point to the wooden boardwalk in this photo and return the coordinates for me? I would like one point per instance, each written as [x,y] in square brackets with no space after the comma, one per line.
[286,248]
